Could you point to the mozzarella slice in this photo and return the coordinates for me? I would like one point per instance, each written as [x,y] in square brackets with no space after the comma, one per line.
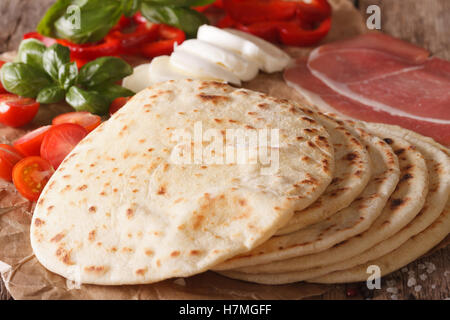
[162,70]
[200,67]
[274,58]
[241,67]
[139,79]
[267,56]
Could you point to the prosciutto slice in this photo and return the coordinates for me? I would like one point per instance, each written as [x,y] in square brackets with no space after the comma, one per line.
[386,80]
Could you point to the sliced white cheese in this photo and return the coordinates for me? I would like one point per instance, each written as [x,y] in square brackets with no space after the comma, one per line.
[201,68]
[267,56]
[274,58]
[241,67]
[162,70]
[139,79]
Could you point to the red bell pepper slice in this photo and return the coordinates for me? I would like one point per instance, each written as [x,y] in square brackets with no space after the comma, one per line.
[251,11]
[130,43]
[313,11]
[168,36]
[226,22]
[107,47]
[292,34]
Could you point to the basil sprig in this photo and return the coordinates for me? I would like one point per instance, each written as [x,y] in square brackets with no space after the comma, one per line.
[183,18]
[47,75]
[82,21]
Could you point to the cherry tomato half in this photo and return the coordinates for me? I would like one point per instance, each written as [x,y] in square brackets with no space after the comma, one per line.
[60,140]
[30,143]
[30,175]
[117,104]
[9,156]
[17,111]
[85,119]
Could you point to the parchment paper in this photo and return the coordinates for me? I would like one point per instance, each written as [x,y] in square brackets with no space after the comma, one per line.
[25,278]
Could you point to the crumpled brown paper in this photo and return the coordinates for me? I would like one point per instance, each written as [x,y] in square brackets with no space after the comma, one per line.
[25,278]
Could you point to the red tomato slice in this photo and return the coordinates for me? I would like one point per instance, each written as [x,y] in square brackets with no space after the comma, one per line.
[60,140]
[30,175]
[30,143]
[85,119]
[117,104]
[9,156]
[17,111]
[2,90]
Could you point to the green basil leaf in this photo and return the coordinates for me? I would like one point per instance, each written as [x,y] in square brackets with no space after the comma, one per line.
[185,19]
[112,91]
[51,94]
[180,3]
[23,79]
[67,75]
[31,52]
[84,100]
[46,25]
[103,70]
[54,58]
[88,20]
[130,7]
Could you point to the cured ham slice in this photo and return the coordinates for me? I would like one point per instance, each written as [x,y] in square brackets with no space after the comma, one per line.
[393,83]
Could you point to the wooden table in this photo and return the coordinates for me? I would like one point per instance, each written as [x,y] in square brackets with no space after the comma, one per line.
[426,23]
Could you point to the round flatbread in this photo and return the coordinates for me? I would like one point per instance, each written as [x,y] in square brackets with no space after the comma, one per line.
[351,175]
[347,223]
[150,194]
[409,251]
[403,205]
[429,225]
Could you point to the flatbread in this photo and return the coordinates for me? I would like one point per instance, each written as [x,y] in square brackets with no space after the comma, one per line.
[438,163]
[123,209]
[352,173]
[409,251]
[402,207]
[347,223]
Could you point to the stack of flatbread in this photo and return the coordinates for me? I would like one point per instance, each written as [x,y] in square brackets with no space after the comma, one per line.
[153,193]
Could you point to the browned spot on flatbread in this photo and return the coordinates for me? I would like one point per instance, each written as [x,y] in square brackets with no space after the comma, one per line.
[83,187]
[162,190]
[242,202]
[175,253]
[38,222]
[92,209]
[215,99]
[149,252]
[95,269]
[308,119]
[399,151]
[351,156]
[198,220]
[64,256]
[141,272]
[406,176]
[58,237]
[130,213]
[396,203]
[194,252]
[92,235]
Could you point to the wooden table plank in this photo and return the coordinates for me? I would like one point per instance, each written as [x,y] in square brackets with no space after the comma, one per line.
[17,18]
